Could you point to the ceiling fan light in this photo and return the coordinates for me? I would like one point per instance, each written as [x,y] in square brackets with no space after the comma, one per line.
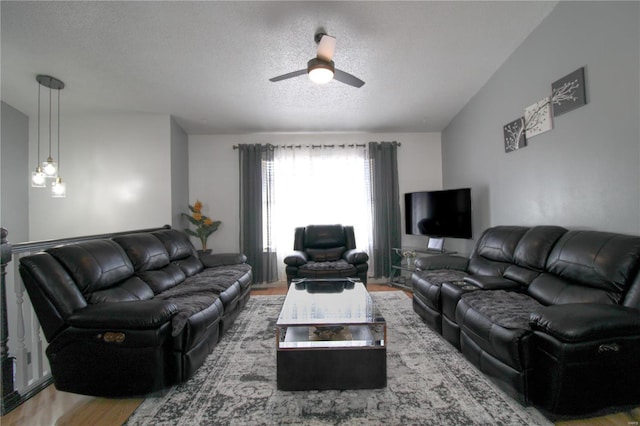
[321,75]
[320,72]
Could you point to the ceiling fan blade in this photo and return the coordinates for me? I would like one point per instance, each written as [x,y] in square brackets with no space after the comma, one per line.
[326,47]
[289,75]
[346,78]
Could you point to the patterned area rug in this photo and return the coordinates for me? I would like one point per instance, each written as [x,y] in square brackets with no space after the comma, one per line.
[429,382]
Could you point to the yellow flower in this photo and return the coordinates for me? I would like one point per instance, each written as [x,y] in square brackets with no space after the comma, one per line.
[204,226]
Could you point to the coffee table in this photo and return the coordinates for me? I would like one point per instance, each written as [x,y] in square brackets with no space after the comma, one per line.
[330,335]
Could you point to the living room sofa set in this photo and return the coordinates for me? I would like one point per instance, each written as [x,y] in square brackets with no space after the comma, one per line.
[132,314]
[551,316]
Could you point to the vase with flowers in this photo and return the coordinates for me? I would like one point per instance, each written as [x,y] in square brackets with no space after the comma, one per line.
[205,226]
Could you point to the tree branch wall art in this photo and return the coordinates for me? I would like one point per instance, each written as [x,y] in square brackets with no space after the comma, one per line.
[537,118]
[514,135]
[567,94]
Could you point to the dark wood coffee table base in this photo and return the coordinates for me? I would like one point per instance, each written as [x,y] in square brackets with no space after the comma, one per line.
[332,369]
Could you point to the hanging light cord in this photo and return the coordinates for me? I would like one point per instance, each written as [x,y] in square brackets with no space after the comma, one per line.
[49,120]
[38,160]
[58,132]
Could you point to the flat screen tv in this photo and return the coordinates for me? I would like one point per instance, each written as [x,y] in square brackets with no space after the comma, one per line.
[439,214]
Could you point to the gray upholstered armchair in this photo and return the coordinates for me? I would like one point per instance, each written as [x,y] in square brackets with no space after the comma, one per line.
[326,251]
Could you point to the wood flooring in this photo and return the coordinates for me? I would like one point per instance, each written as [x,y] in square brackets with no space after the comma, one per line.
[51,407]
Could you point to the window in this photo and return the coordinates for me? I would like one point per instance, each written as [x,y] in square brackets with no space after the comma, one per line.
[319,185]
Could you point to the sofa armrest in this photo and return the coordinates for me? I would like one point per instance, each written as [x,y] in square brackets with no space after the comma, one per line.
[487,282]
[222,259]
[442,262]
[297,258]
[355,256]
[135,315]
[580,322]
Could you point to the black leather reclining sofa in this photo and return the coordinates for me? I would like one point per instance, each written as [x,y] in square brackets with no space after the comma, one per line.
[552,316]
[135,313]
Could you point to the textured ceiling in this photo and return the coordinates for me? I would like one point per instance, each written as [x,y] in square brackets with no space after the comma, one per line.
[208,63]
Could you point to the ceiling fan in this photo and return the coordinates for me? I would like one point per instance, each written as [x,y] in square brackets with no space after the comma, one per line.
[321,69]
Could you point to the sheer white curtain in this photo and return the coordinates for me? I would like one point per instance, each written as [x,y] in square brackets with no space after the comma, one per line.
[316,186]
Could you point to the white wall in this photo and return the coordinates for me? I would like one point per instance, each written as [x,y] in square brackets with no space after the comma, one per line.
[585,173]
[213,172]
[179,175]
[15,174]
[419,169]
[117,168]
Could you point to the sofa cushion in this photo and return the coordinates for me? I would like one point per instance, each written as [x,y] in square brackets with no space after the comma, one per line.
[494,251]
[191,297]
[339,268]
[600,260]
[200,291]
[327,266]
[94,265]
[427,284]
[131,289]
[499,243]
[324,236]
[498,322]
[145,251]
[176,243]
[535,245]
[190,265]
[507,309]
[326,255]
[222,277]
[550,289]
[163,279]
[520,274]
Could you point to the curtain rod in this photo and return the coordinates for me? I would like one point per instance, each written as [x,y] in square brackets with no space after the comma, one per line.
[318,146]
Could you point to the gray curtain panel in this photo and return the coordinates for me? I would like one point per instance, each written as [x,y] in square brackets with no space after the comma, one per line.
[252,158]
[385,193]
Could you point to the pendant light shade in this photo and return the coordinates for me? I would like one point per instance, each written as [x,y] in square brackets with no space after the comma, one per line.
[38,178]
[49,168]
[58,188]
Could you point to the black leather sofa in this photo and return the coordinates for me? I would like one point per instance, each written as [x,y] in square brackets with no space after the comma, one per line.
[551,316]
[326,251]
[135,313]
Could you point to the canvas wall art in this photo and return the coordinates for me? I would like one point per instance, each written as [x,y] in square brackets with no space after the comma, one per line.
[514,137]
[568,93]
[537,118]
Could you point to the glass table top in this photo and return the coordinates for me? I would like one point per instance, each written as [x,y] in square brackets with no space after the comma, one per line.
[328,301]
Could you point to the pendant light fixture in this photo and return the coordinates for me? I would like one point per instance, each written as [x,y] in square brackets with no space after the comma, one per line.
[49,168]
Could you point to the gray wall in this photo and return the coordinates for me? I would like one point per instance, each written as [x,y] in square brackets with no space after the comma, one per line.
[179,175]
[117,167]
[15,172]
[585,173]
